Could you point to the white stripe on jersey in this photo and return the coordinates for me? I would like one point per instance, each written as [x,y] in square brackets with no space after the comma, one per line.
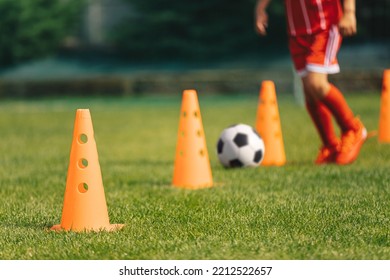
[332,45]
[290,19]
[306,17]
[322,15]
[335,44]
[329,47]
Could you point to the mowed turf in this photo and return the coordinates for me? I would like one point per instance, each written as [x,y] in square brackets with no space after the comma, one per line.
[298,211]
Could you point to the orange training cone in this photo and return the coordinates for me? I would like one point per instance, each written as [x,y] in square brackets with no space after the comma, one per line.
[384,118]
[268,125]
[192,167]
[85,206]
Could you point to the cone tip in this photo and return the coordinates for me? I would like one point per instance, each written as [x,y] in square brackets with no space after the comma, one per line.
[267,83]
[268,90]
[189,92]
[83,113]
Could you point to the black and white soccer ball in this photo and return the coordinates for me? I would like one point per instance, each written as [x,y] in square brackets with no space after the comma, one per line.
[240,146]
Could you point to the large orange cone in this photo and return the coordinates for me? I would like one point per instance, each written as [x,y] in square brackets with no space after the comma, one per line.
[384,117]
[192,166]
[268,125]
[85,206]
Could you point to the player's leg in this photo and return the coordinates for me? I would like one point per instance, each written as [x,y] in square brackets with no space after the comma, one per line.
[320,115]
[322,119]
[321,61]
[317,85]
[353,131]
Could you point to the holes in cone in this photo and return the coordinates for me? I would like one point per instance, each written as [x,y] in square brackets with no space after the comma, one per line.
[199,133]
[196,114]
[83,187]
[181,153]
[201,152]
[83,163]
[83,138]
[184,114]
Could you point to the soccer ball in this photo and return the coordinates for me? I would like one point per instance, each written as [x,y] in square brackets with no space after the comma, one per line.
[240,146]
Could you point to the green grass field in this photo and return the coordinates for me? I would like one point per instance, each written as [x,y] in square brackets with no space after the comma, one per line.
[298,211]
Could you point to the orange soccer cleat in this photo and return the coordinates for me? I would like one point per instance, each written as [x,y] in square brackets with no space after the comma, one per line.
[327,154]
[351,143]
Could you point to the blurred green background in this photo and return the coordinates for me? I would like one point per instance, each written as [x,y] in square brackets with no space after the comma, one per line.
[121,41]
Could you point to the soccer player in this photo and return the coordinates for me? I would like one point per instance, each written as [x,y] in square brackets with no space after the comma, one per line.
[315,29]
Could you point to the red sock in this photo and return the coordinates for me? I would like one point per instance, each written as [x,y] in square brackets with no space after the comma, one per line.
[322,120]
[335,102]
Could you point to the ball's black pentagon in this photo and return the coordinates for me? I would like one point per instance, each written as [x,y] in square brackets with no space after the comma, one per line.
[220,146]
[235,163]
[241,140]
[258,156]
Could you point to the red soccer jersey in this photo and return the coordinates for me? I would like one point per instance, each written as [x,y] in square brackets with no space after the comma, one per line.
[305,17]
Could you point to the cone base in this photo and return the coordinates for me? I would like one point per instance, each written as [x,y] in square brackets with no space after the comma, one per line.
[112,227]
[188,187]
[273,163]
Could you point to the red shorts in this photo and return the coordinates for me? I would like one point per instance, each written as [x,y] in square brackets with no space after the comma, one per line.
[316,52]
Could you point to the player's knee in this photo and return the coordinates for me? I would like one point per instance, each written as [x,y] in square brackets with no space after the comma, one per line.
[317,87]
